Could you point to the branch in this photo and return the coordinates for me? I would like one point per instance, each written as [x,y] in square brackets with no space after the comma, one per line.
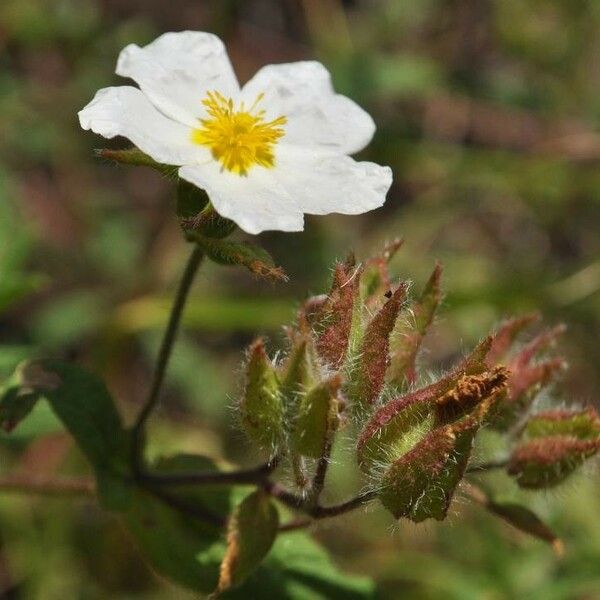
[34,484]
[255,475]
[163,357]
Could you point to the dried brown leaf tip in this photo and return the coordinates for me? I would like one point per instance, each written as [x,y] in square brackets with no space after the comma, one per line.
[553,445]
[469,391]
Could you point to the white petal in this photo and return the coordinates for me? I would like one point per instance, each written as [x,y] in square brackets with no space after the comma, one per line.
[321,183]
[317,116]
[256,202]
[126,111]
[178,69]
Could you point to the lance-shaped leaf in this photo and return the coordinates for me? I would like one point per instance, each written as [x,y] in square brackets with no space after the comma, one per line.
[410,331]
[317,418]
[525,520]
[85,407]
[375,281]
[404,420]
[261,406]
[368,377]
[251,532]
[554,444]
[135,157]
[244,254]
[335,318]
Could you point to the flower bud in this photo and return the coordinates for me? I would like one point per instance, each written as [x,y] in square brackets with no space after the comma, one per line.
[317,418]
[261,406]
[338,314]
[554,444]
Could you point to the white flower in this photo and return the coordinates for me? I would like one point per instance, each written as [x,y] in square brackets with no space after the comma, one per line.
[265,153]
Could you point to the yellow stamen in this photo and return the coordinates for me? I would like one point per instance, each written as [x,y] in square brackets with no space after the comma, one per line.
[238,139]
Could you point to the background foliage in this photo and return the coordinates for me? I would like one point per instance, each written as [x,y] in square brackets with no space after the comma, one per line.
[487,112]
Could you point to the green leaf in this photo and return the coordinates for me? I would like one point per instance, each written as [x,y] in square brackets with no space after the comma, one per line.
[84,406]
[181,547]
[526,520]
[251,533]
[244,254]
[298,568]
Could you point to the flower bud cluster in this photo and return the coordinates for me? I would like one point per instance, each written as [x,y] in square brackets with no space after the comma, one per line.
[353,361]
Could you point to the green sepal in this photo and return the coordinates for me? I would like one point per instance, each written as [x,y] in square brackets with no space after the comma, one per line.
[245,254]
[84,406]
[135,157]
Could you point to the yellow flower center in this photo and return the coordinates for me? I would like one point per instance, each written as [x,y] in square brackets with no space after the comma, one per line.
[238,138]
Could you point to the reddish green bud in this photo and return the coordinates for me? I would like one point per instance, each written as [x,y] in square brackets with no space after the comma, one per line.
[338,314]
[421,483]
[374,356]
[548,461]
[582,424]
[262,407]
[404,420]
[414,475]
[410,332]
[554,444]
[317,418]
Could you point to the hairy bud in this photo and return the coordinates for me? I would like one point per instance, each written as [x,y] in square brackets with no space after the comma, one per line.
[554,444]
[261,406]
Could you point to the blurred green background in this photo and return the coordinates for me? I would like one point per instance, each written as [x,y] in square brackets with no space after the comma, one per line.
[487,112]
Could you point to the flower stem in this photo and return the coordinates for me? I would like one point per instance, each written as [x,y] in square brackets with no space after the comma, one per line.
[163,358]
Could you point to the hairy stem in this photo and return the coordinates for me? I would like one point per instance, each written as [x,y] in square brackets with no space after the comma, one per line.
[163,357]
